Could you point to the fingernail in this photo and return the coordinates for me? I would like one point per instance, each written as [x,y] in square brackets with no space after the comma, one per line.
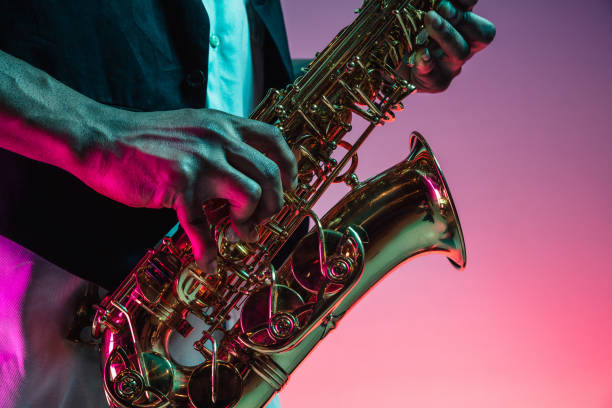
[411,60]
[212,267]
[447,10]
[436,20]
[294,184]
[426,55]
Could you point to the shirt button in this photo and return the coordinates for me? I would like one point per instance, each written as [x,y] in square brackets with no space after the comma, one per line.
[214,41]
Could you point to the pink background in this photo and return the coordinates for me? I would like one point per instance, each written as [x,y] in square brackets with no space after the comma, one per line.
[523,138]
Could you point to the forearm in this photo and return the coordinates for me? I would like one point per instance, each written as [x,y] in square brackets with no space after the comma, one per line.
[45,120]
[175,159]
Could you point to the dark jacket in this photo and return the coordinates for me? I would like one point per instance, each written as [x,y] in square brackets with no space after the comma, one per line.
[140,55]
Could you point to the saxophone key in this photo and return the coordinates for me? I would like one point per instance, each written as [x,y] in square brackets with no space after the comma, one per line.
[276,229]
[193,287]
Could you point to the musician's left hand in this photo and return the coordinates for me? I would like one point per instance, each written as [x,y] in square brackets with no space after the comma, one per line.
[457,34]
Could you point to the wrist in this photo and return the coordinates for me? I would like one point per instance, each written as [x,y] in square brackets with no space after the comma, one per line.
[86,137]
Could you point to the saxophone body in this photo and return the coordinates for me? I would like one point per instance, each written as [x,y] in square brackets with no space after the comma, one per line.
[401,213]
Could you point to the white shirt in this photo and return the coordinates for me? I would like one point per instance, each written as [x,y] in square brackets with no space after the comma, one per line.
[230,60]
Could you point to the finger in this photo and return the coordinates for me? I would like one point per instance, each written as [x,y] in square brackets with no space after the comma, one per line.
[448,38]
[243,195]
[477,31]
[466,4]
[423,63]
[270,141]
[436,80]
[192,219]
[451,13]
[266,173]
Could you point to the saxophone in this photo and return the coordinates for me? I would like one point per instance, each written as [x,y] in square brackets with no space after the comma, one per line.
[284,312]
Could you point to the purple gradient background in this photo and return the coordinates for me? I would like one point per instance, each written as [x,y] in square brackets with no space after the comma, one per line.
[523,138]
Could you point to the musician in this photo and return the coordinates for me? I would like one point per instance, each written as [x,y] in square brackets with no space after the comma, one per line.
[117,117]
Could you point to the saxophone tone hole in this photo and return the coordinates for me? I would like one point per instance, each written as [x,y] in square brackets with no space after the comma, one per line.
[291,313]
[228,388]
[305,263]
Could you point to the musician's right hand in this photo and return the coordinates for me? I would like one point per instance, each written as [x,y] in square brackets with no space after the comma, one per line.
[180,159]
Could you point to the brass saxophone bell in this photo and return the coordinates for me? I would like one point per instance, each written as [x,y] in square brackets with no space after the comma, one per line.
[406,210]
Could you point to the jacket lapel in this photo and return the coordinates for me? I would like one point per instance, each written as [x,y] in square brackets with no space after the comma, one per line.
[271,14]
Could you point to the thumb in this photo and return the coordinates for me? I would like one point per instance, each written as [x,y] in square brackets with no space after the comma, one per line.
[196,227]
[423,63]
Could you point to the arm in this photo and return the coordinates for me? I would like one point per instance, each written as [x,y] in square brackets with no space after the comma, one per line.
[175,159]
[42,119]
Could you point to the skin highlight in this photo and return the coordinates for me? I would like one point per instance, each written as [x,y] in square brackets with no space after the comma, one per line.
[180,159]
